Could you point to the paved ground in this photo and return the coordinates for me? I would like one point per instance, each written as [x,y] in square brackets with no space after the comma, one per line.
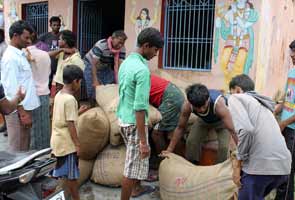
[91,191]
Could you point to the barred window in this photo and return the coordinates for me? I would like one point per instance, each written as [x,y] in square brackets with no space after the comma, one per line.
[37,14]
[188,34]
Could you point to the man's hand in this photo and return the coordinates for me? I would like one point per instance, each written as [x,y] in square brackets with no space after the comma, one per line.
[237,176]
[144,150]
[25,119]
[164,154]
[69,50]
[83,109]
[20,94]
[78,149]
[95,84]
[283,125]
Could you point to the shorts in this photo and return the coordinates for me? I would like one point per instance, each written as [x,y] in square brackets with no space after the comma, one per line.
[135,167]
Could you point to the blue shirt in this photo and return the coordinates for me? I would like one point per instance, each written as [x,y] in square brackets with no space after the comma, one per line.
[15,72]
[289,103]
[210,116]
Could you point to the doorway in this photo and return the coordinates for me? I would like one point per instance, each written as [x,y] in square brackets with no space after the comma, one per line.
[98,20]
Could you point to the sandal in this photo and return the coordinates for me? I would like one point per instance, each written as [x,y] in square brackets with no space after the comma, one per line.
[147,189]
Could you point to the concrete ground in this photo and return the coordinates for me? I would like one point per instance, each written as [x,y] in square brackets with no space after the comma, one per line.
[91,191]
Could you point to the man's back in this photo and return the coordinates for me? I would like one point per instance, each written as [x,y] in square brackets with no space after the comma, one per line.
[260,137]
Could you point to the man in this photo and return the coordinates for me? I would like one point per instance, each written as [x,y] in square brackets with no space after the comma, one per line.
[287,125]
[51,39]
[40,63]
[168,99]
[15,72]
[210,107]
[103,60]
[262,155]
[132,112]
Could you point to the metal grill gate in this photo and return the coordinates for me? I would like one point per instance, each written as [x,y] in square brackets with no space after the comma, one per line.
[188,34]
[89,23]
[37,14]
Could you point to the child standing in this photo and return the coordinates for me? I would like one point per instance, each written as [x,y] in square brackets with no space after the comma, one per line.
[64,140]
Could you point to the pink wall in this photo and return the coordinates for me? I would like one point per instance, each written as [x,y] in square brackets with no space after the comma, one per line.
[277,25]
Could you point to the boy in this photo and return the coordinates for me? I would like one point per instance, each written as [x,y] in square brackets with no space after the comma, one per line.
[64,140]
[263,158]
[134,87]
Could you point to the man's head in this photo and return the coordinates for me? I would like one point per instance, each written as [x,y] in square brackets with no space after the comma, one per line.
[34,35]
[118,39]
[55,24]
[149,41]
[198,96]
[20,34]
[72,75]
[67,39]
[292,51]
[240,84]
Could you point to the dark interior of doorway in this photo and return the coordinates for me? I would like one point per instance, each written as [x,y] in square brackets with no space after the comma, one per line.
[98,19]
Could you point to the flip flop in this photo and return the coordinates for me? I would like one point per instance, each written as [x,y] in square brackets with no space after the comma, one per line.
[147,189]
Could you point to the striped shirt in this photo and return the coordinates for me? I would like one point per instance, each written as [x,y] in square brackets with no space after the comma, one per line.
[101,52]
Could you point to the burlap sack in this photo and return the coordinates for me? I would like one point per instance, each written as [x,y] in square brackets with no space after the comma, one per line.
[93,132]
[85,167]
[107,97]
[179,179]
[109,166]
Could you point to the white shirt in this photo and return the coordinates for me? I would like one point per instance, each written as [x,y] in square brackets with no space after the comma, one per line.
[15,72]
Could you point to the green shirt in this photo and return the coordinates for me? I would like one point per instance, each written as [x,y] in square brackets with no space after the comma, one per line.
[134,88]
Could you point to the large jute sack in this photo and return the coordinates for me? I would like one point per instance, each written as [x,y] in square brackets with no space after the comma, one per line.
[93,132]
[109,166]
[85,168]
[107,97]
[179,179]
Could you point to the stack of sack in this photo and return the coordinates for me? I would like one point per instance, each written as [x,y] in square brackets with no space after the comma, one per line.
[99,127]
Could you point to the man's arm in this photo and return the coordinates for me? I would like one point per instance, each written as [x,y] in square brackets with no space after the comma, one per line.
[94,63]
[178,133]
[7,106]
[222,111]
[74,135]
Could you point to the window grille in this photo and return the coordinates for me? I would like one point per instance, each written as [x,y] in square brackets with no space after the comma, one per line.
[90,24]
[37,14]
[188,34]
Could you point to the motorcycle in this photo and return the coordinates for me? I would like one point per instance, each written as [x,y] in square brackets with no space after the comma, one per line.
[24,176]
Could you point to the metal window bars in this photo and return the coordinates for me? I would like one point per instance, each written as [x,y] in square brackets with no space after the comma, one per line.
[37,14]
[188,34]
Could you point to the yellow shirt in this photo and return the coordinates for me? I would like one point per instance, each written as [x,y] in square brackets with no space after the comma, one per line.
[65,109]
[74,59]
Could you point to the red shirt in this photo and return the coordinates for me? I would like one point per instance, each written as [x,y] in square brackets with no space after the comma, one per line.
[158,86]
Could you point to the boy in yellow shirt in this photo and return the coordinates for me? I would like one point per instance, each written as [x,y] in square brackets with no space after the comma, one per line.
[64,140]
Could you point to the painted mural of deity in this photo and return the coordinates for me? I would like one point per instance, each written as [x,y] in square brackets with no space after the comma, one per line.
[143,19]
[234,24]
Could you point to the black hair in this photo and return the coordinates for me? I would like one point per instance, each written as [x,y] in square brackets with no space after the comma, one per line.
[197,94]
[18,28]
[292,45]
[34,28]
[152,36]
[69,37]
[71,73]
[243,81]
[54,19]
[147,14]
[2,35]
[119,33]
